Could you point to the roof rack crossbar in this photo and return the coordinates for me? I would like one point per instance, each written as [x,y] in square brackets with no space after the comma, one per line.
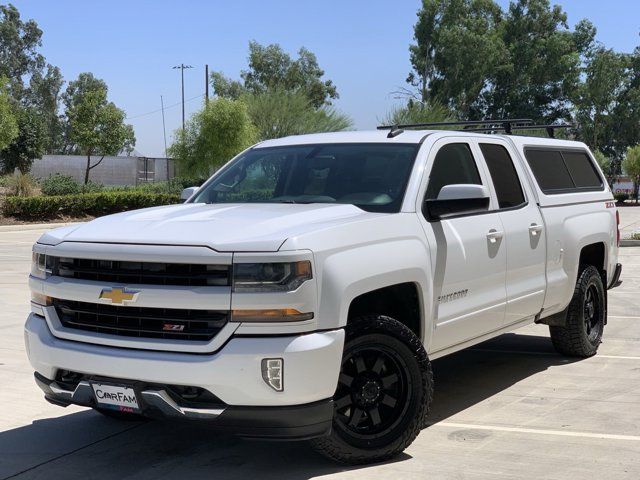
[550,129]
[500,121]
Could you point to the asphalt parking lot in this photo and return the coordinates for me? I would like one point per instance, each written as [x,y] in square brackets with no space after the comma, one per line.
[509,408]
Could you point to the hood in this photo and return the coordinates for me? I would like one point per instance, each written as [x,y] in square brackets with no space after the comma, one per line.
[222,227]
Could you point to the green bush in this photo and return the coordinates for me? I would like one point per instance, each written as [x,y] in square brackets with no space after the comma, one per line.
[186,182]
[83,204]
[247,196]
[59,184]
[621,197]
[91,187]
[21,184]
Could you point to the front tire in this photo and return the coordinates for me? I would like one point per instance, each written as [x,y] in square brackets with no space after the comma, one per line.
[384,392]
[586,315]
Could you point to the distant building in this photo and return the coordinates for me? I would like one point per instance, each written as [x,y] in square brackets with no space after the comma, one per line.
[623,185]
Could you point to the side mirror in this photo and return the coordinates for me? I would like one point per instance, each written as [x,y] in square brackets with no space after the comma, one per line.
[188,192]
[457,199]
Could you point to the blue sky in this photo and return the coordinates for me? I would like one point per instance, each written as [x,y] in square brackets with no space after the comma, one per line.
[361,45]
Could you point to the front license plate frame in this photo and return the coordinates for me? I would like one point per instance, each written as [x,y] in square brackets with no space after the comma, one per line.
[121,398]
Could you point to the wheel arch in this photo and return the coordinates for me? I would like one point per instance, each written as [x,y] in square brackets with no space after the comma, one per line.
[401,301]
[393,269]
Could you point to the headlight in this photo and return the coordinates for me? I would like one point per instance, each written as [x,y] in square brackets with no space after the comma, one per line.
[270,277]
[40,265]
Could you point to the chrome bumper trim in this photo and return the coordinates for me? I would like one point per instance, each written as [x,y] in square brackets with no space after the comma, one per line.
[160,399]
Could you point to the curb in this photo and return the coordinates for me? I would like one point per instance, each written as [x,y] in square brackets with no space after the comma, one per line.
[33,226]
[629,243]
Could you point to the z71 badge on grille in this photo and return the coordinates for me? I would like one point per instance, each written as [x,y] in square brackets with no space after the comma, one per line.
[172,327]
[119,295]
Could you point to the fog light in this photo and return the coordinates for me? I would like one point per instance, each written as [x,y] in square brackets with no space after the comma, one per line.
[272,372]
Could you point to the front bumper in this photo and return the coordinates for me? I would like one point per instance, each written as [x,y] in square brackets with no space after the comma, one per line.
[297,422]
[233,374]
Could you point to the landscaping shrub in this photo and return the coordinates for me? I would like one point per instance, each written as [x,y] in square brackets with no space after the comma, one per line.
[247,196]
[91,187]
[83,204]
[186,182]
[621,197]
[21,184]
[173,186]
[59,184]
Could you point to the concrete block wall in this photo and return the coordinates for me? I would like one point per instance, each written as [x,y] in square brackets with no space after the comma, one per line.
[112,170]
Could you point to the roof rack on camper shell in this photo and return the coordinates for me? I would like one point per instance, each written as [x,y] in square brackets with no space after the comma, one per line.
[506,125]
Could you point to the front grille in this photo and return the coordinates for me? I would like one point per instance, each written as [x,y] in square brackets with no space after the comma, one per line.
[166,323]
[142,273]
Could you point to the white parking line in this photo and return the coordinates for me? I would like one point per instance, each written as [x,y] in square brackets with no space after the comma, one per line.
[607,436]
[528,352]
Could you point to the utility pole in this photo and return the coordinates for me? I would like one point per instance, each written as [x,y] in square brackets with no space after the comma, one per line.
[164,128]
[182,66]
[206,83]
[164,133]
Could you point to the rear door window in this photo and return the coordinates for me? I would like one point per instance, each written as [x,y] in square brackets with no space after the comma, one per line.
[503,174]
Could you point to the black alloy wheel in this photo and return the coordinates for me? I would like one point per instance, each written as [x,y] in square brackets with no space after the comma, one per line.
[372,391]
[592,312]
[384,392]
[586,316]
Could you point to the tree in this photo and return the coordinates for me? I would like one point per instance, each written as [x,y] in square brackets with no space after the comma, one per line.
[457,48]
[605,77]
[27,145]
[8,122]
[277,113]
[96,126]
[213,136]
[19,43]
[624,121]
[44,95]
[418,112]
[483,62]
[631,165]
[543,66]
[33,83]
[271,68]
[606,165]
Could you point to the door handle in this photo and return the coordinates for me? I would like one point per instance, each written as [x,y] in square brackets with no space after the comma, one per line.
[535,229]
[494,235]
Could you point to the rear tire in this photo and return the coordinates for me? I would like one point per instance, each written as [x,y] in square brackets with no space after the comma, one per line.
[586,315]
[383,395]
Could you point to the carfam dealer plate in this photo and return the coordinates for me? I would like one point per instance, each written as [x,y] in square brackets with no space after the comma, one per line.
[116,397]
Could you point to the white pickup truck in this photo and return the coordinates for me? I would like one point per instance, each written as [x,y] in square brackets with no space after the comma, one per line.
[302,291]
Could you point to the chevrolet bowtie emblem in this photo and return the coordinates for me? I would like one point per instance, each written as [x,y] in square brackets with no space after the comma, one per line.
[120,295]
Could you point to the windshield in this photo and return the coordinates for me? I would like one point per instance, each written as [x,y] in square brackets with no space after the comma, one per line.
[372,176]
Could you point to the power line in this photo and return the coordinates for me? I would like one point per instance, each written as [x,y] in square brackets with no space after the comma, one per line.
[166,107]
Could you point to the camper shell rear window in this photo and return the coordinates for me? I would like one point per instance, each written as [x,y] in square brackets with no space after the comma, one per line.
[561,170]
